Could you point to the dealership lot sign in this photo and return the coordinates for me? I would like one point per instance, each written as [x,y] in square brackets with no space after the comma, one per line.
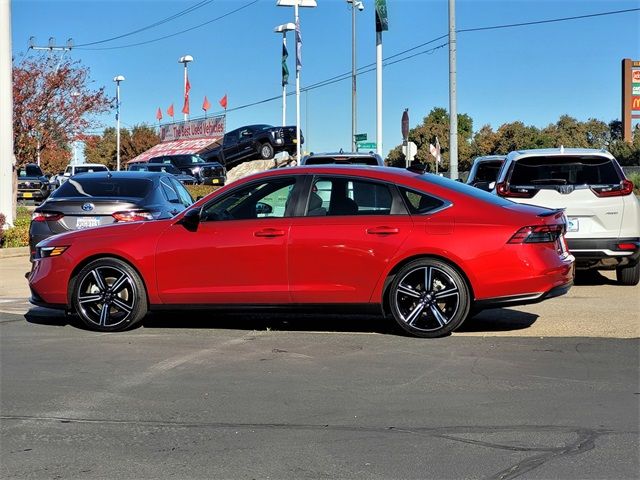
[212,127]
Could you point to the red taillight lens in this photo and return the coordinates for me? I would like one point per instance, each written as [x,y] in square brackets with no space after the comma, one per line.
[624,188]
[504,190]
[46,216]
[538,234]
[627,246]
[132,216]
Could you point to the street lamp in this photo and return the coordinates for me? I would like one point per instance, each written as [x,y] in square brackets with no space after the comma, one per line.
[354,107]
[118,79]
[284,28]
[184,60]
[295,4]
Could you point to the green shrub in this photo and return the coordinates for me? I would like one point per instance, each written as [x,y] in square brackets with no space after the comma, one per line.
[201,190]
[18,235]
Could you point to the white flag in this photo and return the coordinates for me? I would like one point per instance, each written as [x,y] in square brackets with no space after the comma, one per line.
[433,151]
[438,156]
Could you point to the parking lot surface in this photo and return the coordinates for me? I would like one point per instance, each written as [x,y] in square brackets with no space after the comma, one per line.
[544,391]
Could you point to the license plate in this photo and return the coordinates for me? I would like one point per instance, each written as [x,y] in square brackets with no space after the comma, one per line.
[27,195]
[215,180]
[87,222]
[572,224]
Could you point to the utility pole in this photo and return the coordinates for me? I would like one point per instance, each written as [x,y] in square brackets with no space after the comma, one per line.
[118,79]
[453,107]
[382,24]
[6,115]
[354,105]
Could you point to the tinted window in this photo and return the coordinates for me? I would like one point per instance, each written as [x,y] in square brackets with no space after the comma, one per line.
[567,170]
[463,188]
[344,196]
[488,171]
[419,202]
[137,168]
[30,171]
[104,187]
[81,169]
[163,167]
[185,196]
[170,194]
[263,199]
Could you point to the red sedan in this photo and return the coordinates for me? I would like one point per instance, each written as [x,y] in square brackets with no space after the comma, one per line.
[425,249]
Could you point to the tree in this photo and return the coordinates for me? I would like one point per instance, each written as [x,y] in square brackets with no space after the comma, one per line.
[52,104]
[484,142]
[102,149]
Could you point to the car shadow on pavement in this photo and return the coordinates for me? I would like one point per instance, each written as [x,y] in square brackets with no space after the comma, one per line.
[591,278]
[498,320]
[494,320]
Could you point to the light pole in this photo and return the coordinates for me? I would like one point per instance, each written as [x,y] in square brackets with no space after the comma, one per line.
[284,28]
[185,60]
[118,79]
[295,4]
[354,107]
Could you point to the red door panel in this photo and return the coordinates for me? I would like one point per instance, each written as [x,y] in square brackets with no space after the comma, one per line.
[242,261]
[340,259]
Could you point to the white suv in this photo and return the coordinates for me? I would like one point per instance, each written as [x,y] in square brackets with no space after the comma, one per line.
[603,214]
[74,169]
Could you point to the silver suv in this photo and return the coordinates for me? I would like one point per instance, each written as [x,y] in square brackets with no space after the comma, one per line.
[603,214]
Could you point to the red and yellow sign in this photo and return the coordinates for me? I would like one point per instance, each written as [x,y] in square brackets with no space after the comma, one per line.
[635,102]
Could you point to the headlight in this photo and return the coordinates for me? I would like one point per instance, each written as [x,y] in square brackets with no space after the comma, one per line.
[44,252]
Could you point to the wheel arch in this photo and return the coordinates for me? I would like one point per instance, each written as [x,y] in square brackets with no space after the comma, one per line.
[386,308]
[99,256]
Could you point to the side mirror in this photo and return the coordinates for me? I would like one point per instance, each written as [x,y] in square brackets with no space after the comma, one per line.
[191,219]
[263,208]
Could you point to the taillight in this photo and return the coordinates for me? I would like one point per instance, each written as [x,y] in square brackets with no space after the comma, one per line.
[625,187]
[505,190]
[46,216]
[627,246]
[132,216]
[538,234]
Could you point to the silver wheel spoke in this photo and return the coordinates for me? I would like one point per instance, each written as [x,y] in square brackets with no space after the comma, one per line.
[118,284]
[99,281]
[104,314]
[415,314]
[407,290]
[89,299]
[437,314]
[427,279]
[121,305]
[447,293]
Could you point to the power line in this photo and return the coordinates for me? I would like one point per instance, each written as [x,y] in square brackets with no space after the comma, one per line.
[159,22]
[176,33]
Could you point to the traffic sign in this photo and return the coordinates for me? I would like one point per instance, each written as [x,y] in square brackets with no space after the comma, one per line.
[360,137]
[367,145]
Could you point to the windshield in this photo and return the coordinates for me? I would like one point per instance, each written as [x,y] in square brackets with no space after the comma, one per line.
[488,171]
[359,160]
[565,170]
[30,171]
[104,187]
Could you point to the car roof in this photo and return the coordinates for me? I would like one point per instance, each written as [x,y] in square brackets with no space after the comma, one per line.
[88,165]
[125,174]
[489,158]
[559,152]
[342,154]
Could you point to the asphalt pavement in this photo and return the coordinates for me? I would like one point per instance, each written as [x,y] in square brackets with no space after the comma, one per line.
[544,391]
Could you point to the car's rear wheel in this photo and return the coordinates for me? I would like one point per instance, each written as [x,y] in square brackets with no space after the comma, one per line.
[266,151]
[109,295]
[429,298]
[628,275]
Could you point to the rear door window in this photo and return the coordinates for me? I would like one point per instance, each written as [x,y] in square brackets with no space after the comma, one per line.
[344,196]
[575,170]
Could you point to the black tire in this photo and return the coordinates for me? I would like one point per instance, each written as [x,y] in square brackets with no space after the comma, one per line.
[628,275]
[266,151]
[109,296]
[429,312]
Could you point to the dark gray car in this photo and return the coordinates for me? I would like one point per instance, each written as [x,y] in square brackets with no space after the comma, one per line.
[96,199]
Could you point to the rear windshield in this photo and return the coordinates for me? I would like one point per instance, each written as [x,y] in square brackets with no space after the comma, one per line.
[90,169]
[465,189]
[582,170]
[104,187]
[488,171]
[341,160]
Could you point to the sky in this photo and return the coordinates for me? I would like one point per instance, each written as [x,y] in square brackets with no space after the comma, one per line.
[530,73]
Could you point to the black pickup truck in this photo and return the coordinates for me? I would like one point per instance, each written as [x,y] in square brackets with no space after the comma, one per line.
[253,142]
[207,172]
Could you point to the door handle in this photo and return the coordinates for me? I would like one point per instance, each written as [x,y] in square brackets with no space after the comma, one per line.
[383,230]
[269,233]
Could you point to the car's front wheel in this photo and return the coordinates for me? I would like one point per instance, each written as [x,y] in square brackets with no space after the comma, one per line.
[109,296]
[429,298]
[628,275]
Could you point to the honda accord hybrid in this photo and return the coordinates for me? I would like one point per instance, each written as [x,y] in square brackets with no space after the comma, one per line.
[414,246]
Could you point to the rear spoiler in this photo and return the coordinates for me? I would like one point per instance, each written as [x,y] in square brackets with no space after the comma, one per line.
[551,212]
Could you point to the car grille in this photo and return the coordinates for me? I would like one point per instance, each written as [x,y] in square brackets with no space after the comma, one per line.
[31,185]
[208,172]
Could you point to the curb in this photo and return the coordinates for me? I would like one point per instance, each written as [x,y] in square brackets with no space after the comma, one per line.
[14,252]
